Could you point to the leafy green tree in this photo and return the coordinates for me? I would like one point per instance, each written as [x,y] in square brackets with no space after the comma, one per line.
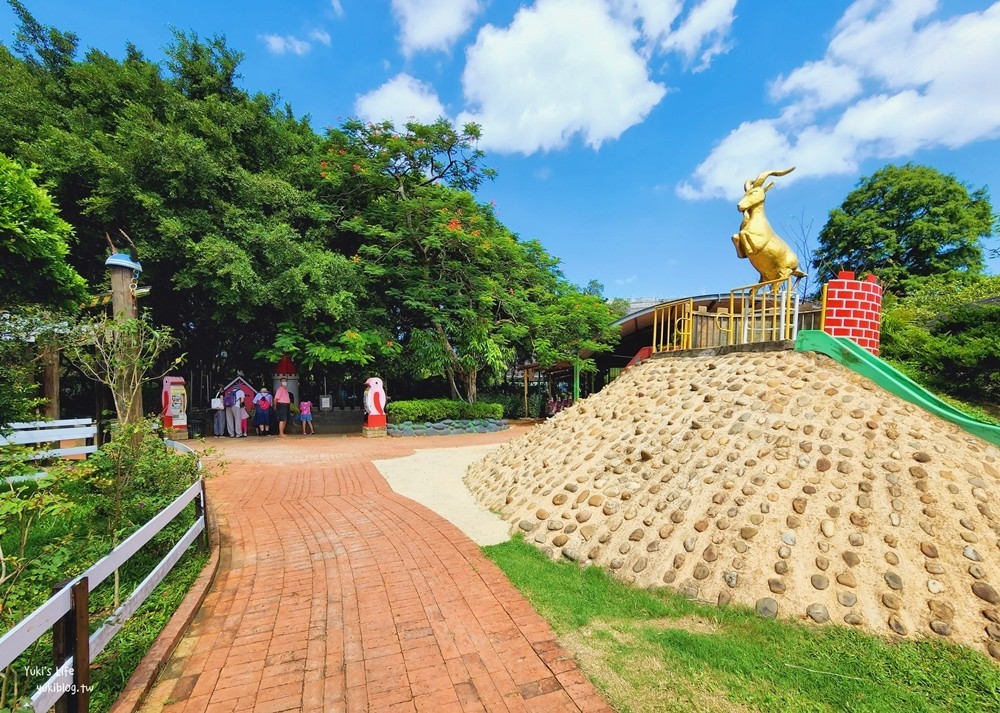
[571,324]
[34,275]
[34,243]
[906,221]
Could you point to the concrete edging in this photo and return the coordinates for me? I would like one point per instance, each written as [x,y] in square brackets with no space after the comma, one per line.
[142,679]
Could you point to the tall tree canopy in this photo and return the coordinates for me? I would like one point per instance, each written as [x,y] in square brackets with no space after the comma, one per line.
[260,237]
[34,244]
[906,221]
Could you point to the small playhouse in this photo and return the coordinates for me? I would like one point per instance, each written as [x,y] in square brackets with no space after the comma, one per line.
[240,383]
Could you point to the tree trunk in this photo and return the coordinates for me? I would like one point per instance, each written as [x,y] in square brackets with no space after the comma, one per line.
[470,385]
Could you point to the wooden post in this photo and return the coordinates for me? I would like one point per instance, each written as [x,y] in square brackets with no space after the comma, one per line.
[125,305]
[71,637]
[201,513]
[50,381]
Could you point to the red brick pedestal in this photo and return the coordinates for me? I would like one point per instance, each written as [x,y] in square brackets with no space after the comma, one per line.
[853,309]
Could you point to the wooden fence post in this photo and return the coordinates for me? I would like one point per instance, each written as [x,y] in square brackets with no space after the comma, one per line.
[201,513]
[71,637]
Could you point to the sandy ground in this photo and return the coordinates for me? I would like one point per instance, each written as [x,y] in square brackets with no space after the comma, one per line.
[433,478]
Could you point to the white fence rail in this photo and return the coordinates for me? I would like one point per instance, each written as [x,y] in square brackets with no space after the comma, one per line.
[72,600]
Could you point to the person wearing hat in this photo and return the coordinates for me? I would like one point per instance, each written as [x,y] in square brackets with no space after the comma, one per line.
[262,412]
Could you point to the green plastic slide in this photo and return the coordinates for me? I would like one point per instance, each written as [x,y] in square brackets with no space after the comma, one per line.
[892,380]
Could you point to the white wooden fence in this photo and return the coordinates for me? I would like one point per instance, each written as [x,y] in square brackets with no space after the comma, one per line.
[67,614]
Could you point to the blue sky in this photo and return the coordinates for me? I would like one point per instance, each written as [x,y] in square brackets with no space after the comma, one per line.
[623,130]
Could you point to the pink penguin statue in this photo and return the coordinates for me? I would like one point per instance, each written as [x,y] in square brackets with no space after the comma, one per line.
[374,402]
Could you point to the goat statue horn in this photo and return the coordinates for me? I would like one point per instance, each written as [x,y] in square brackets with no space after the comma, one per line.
[759,181]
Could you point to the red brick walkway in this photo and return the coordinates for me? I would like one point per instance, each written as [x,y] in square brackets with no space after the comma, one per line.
[336,594]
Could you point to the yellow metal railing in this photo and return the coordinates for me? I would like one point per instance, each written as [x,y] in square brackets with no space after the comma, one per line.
[672,325]
[765,312]
[822,317]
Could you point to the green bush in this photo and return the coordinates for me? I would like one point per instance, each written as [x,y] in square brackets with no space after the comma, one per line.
[434,410]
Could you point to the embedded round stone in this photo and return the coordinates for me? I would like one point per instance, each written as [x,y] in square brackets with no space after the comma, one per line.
[971,554]
[701,571]
[560,540]
[583,516]
[827,528]
[799,505]
[776,586]
[847,599]
[934,586]
[767,607]
[748,533]
[893,580]
[977,571]
[985,592]
[822,563]
[941,610]
[941,628]
[710,554]
[851,558]
[847,579]
[818,613]
[636,535]
[640,564]
[892,601]
[820,581]
[542,514]
[731,578]
[527,525]
[921,457]
[854,619]
[823,465]
[897,626]
[856,539]
[559,498]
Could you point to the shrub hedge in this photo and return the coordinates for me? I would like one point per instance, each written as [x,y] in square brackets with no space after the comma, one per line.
[419,410]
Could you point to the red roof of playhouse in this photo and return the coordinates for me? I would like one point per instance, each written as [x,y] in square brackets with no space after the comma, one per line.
[242,383]
[285,366]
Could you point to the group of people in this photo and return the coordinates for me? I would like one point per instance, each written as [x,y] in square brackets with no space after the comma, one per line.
[232,418]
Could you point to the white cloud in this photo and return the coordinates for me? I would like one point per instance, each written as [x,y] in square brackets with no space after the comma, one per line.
[703,33]
[893,82]
[401,99]
[283,44]
[433,24]
[338,9]
[654,17]
[321,36]
[562,68]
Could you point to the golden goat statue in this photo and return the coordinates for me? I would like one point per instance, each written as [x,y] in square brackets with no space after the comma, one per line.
[769,254]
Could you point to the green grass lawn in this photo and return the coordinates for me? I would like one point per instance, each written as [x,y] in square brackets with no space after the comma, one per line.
[655,651]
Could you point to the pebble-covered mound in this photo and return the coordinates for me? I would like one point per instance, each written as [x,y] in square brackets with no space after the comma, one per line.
[779,480]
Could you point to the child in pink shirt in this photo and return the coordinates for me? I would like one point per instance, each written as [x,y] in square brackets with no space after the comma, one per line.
[306,416]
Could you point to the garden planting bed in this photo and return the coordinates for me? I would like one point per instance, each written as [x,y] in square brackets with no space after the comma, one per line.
[446,427]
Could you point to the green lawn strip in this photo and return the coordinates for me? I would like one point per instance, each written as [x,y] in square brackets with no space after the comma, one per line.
[646,649]
[119,660]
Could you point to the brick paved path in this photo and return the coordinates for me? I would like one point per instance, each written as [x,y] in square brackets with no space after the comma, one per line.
[336,594]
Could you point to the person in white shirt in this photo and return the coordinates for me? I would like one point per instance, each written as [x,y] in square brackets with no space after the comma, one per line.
[234,414]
